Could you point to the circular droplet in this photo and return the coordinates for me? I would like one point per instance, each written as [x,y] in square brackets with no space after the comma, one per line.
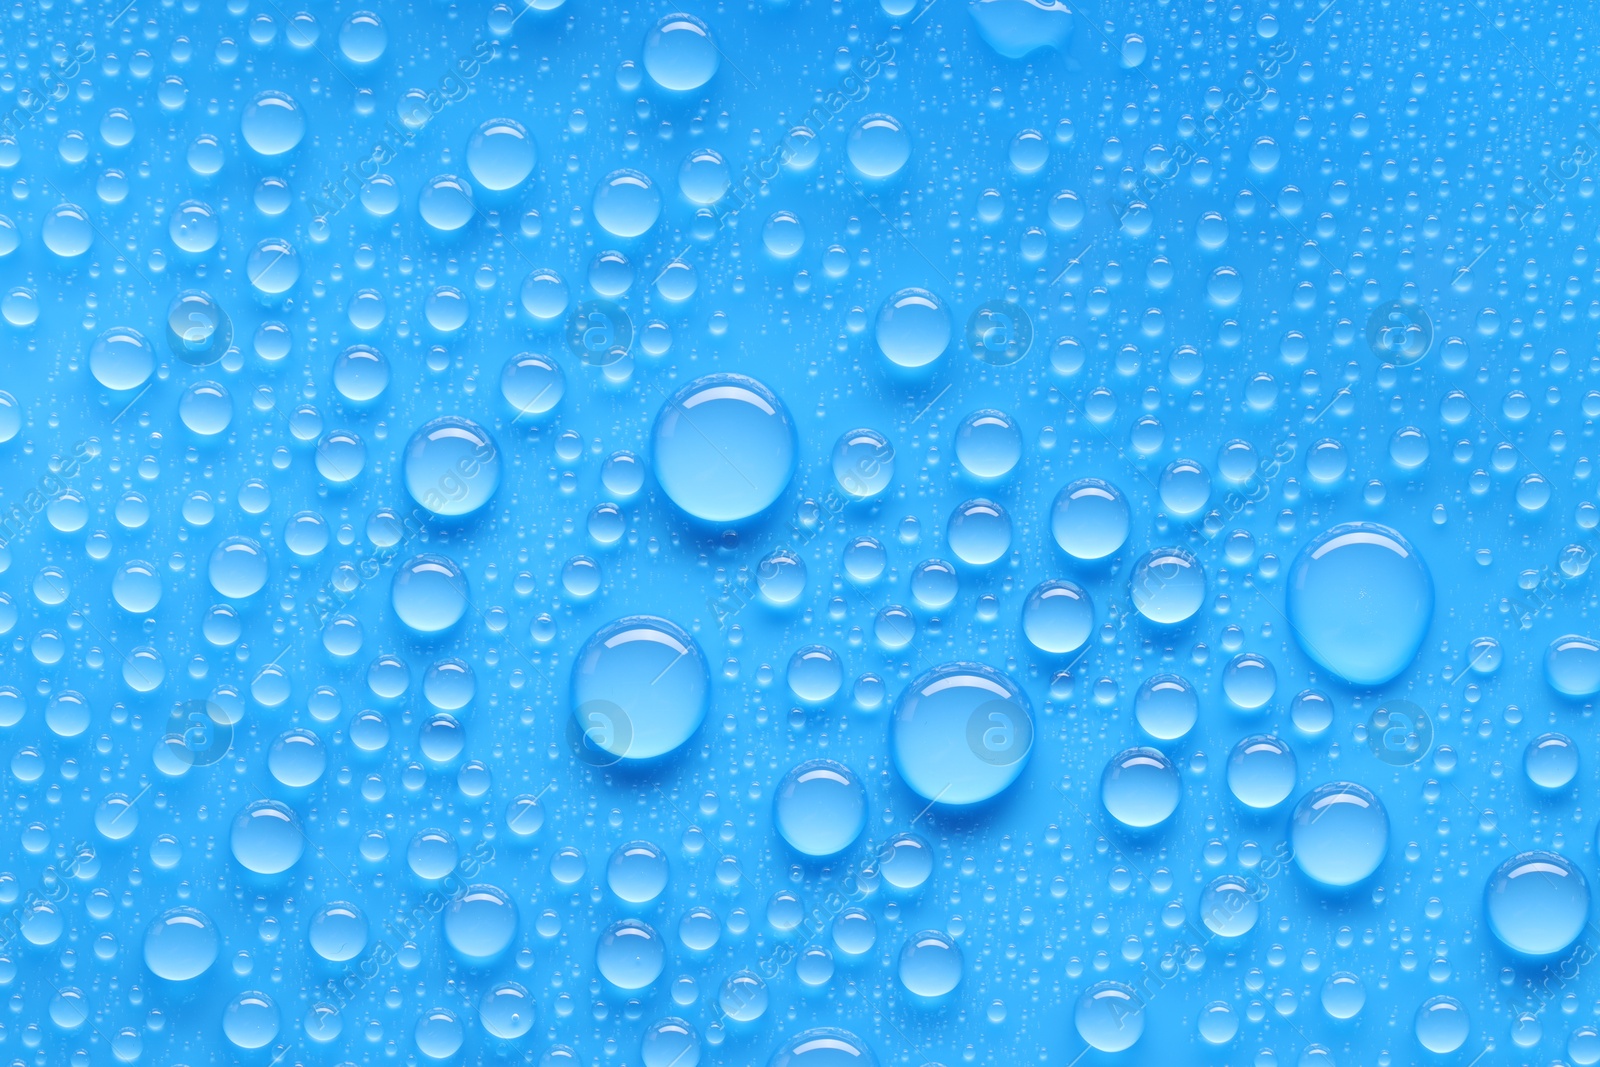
[506,1011]
[1261,772]
[481,922]
[1167,586]
[1058,617]
[979,532]
[1230,906]
[1538,903]
[626,203]
[863,463]
[1140,788]
[121,359]
[1110,1016]
[630,954]
[272,123]
[930,964]
[338,932]
[180,945]
[988,444]
[1442,1025]
[1360,600]
[1551,761]
[429,593]
[640,688]
[1249,681]
[238,568]
[961,734]
[815,674]
[724,448]
[1339,834]
[1090,519]
[637,872]
[267,838]
[1572,666]
[501,154]
[820,807]
[1166,707]
[452,466]
[251,1020]
[913,328]
[679,53]
[878,146]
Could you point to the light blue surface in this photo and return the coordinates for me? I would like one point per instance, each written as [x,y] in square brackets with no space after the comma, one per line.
[797,534]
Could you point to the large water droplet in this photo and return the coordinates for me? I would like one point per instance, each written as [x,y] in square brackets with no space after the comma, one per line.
[1090,519]
[1538,903]
[1360,600]
[480,922]
[630,954]
[1140,788]
[1058,617]
[962,732]
[724,448]
[639,689]
[824,1046]
[121,359]
[1572,666]
[1167,586]
[181,944]
[820,807]
[272,123]
[679,53]
[1110,1016]
[266,837]
[429,593]
[1340,834]
[913,328]
[452,466]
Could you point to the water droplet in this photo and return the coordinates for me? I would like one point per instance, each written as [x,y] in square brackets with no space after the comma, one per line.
[1340,834]
[820,807]
[961,734]
[1360,600]
[724,448]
